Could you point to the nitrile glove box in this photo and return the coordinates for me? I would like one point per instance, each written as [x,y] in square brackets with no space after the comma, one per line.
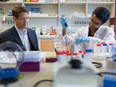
[31,61]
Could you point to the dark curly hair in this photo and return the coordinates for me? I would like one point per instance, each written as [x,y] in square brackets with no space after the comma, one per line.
[102,13]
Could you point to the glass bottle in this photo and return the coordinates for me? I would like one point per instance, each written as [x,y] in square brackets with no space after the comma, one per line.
[59,42]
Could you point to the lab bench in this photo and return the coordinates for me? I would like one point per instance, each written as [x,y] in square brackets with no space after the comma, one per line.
[46,73]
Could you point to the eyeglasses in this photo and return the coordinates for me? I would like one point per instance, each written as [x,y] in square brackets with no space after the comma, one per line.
[96,24]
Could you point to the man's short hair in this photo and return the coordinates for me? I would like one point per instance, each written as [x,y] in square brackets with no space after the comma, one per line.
[102,13]
[18,9]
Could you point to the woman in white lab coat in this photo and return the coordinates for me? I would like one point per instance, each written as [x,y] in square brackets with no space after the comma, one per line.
[95,33]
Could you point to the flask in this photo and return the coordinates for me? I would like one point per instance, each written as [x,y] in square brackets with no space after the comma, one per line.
[59,42]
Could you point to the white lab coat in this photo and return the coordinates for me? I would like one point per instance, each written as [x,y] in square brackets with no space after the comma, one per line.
[104,33]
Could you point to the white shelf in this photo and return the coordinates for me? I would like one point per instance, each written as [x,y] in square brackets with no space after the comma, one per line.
[110,3]
[40,3]
[14,2]
[73,3]
[43,16]
[6,16]
[56,9]
[10,17]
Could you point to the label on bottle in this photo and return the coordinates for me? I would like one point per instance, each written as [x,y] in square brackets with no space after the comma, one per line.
[58,46]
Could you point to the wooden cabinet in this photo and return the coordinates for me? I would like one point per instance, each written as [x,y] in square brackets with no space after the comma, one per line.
[48,45]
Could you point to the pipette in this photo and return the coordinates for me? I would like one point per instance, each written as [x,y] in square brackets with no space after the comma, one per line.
[72,45]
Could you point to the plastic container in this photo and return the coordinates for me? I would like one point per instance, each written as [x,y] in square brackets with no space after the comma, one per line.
[44,30]
[59,42]
[109,81]
[97,48]
[110,48]
[60,56]
[80,54]
[104,48]
[75,55]
[68,57]
[87,58]
[114,52]
[31,62]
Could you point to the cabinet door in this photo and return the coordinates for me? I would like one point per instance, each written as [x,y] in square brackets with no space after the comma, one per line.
[46,45]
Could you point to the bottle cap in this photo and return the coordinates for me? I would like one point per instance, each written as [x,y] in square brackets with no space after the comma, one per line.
[60,52]
[80,51]
[89,50]
[104,44]
[68,54]
[98,44]
[110,44]
[84,52]
[74,53]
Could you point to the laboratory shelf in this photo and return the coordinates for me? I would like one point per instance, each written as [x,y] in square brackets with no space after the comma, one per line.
[73,3]
[41,3]
[50,12]
[110,3]
[13,2]
[43,16]
[5,16]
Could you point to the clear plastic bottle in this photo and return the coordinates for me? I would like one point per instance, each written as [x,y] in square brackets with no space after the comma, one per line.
[68,57]
[88,58]
[110,48]
[80,54]
[60,56]
[59,42]
[97,48]
[104,48]
[114,52]
[75,55]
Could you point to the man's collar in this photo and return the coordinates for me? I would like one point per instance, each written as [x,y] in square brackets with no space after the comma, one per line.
[21,32]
